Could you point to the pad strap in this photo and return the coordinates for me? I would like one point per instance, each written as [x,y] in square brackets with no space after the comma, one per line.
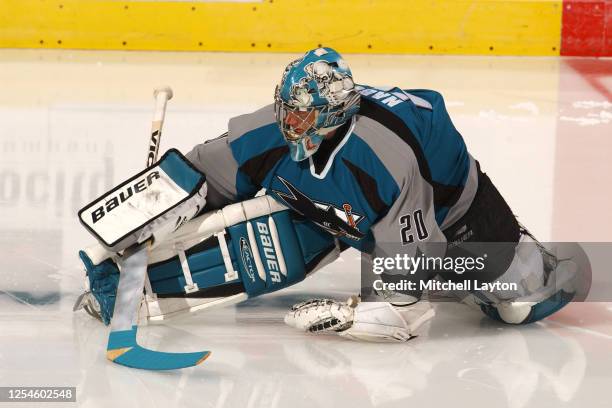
[190,286]
[230,273]
[256,244]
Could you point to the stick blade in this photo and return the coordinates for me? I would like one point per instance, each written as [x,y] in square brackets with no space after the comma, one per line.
[145,359]
[124,350]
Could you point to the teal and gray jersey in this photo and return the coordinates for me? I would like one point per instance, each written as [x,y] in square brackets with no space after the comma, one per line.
[397,172]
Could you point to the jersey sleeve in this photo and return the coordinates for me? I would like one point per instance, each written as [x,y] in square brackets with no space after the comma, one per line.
[236,163]
[226,183]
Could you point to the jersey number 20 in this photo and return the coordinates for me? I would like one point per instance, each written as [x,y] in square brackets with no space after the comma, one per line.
[406,223]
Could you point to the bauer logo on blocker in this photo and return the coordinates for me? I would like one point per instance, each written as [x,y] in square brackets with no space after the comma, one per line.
[123,195]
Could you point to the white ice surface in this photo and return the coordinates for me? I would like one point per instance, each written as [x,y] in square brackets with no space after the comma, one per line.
[75,123]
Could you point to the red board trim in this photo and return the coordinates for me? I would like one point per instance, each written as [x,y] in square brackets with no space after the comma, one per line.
[587,28]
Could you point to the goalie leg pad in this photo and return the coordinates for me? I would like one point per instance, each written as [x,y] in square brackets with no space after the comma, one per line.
[267,253]
[245,250]
[264,262]
[565,277]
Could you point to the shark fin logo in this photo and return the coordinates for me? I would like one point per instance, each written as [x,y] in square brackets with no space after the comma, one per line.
[339,222]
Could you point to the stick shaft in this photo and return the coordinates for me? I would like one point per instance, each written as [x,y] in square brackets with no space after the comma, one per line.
[129,289]
[161,99]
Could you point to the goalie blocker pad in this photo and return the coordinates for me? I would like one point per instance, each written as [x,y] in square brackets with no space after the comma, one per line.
[253,247]
[154,198]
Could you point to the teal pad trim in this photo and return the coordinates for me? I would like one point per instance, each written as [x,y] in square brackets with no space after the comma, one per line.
[207,270]
[289,243]
[171,268]
[242,251]
[549,306]
[176,166]
[312,239]
[538,311]
[206,278]
[292,251]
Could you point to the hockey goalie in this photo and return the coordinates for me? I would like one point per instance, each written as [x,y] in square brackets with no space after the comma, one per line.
[342,165]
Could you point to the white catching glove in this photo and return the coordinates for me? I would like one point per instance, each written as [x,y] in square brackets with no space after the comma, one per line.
[368,321]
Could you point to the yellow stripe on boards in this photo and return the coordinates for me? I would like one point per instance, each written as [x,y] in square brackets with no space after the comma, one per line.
[496,27]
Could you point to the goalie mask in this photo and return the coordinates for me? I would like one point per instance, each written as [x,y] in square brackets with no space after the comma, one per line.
[315,96]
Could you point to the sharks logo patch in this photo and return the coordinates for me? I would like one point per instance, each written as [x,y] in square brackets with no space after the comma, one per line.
[338,221]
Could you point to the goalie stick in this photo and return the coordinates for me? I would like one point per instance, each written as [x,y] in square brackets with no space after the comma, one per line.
[122,346]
